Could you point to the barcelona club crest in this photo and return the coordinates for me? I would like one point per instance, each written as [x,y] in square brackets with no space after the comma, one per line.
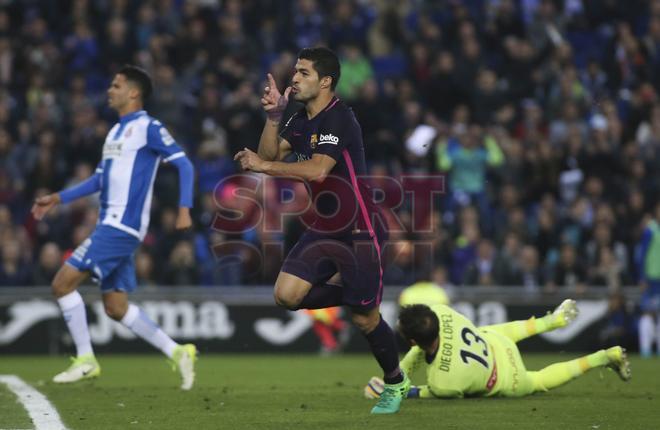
[314,140]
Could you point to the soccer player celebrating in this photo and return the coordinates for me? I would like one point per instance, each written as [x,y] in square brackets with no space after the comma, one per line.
[125,176]
[337,261]
[462,360]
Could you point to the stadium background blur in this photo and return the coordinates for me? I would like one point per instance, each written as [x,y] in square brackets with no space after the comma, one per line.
[560,97]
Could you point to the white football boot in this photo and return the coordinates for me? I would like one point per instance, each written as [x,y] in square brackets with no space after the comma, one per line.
[184,358]
[83,367]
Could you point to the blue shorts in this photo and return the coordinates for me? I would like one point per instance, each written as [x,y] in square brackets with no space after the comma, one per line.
[650,299]
[108,255]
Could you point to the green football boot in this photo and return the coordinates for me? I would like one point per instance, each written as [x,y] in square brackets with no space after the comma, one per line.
[392,396]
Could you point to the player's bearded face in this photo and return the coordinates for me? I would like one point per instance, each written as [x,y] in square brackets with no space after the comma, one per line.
[305,82]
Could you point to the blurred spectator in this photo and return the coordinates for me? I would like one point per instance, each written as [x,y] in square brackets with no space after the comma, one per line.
[166,101]
[481,270]
[211,165]
[619,329]
[308,22]
[648,270]
[602,238]
[50,261]
[546,239]
[464,252]
[376,114]
[144,268]
[118,46]
[487,97]
[243,110]
[569,273]
[507,263]
[530,273]
[168,236]
[648,132]
[442,92]
[607,271]
[181,268]
[347,25]
[386,34]
[401,271]
[466,160]
[14,272]
[355,71]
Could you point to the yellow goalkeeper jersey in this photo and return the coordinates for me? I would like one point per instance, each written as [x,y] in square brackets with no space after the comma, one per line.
[464,364]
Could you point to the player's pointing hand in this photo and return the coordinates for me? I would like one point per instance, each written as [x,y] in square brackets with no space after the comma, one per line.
[273,102]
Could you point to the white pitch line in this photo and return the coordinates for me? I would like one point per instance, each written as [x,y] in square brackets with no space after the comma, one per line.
[43,414]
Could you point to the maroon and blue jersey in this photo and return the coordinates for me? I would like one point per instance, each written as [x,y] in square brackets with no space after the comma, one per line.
[343,202]
[345,236]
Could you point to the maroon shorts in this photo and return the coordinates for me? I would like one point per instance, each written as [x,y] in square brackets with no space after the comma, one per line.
[356,256]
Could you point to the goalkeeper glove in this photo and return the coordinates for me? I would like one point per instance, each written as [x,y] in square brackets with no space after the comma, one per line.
[374,388]
[413,393]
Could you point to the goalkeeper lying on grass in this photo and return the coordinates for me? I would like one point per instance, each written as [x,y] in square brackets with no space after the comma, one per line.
[462,360]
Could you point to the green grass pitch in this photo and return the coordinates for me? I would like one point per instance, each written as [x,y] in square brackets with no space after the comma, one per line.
[308,392]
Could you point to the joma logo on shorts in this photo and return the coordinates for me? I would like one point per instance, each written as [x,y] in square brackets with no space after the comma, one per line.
[328,138]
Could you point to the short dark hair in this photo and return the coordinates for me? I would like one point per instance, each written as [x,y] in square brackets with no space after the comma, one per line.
[419,323]
[138,76]
[324,61]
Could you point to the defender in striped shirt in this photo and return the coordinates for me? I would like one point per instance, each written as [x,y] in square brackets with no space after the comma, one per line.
[132,151]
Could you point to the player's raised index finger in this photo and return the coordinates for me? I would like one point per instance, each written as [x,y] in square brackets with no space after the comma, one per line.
[271,82]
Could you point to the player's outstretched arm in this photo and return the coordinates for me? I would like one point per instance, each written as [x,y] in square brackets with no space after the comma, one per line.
[412,361]
[274,104]
[425,392]
[44,204]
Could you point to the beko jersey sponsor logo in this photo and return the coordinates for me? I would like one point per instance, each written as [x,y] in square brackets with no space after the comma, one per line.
[328,138]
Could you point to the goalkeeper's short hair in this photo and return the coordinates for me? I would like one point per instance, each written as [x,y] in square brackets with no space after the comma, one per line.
[420,324]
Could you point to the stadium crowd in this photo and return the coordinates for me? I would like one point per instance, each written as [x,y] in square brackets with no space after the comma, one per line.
[543,115]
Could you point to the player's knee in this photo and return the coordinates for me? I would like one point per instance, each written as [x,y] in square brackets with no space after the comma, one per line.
[287,295]
[116,311]
[60,287]
[287,301]
[57,288]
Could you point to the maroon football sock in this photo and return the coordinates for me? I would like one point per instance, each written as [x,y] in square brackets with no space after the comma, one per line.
[383,347]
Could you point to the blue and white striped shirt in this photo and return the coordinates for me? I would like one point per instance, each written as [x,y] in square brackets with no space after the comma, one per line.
[131,153]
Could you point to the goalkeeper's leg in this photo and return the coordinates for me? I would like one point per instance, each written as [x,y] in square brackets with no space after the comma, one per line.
[566,312]
[559,374]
